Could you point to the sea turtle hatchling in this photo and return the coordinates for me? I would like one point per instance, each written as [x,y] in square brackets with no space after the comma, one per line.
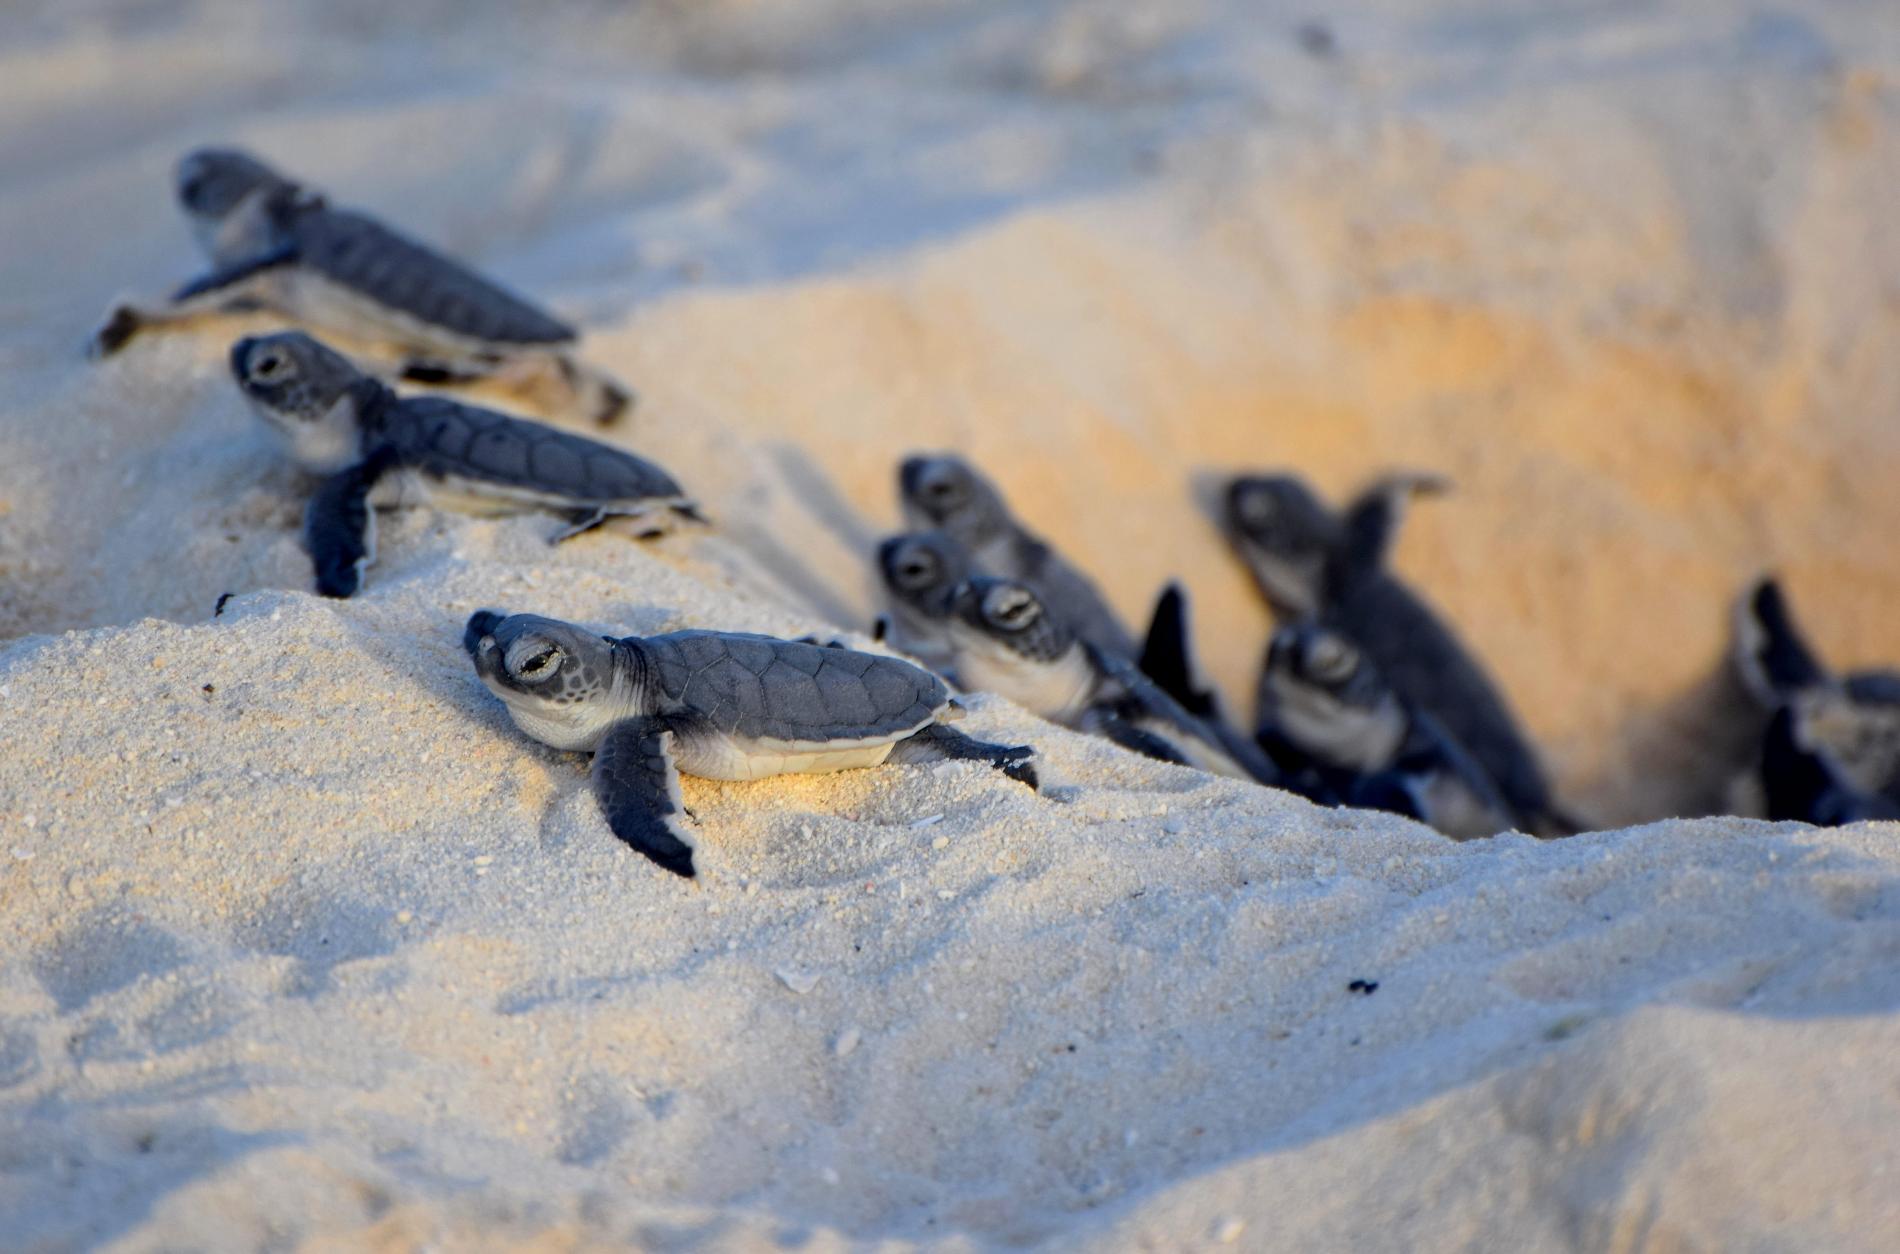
[920,570]
[1831,752]
[946,493]
[278,245]
[1312,562]
[1007,642]
[1324,702]
[723,705]
[375,448]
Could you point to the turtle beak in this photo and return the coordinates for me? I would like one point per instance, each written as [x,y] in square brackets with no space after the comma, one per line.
[479,636]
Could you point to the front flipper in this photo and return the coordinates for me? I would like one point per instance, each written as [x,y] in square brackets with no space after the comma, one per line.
[638,788]
[224,278]
[339,527]
[937,743]
[1164,654]
[1124,733]
[1772,658]
[1372,524]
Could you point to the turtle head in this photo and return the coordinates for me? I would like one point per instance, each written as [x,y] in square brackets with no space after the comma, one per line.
[1322,691]
[308,392]
[921,569]
[1011,614]
[1286,535]
[212,182]
[559,681]
[946,492]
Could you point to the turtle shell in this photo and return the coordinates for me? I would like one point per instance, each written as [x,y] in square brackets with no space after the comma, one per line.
[445,438]
[362,254]
[763,688]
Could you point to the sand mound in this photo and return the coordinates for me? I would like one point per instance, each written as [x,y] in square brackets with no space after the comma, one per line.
[302,944]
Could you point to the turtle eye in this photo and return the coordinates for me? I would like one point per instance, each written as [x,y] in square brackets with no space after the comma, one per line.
[1331,660]
[268,365]
[1011,608]
[540,664]
[915,572]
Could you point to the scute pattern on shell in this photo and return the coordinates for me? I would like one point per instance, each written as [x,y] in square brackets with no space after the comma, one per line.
[362,254]
[443,436]
[760,687]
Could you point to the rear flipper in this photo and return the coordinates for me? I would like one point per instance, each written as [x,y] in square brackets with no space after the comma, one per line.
[649,524]
[638,788]
[339,527]
[1771,657]
[937,743]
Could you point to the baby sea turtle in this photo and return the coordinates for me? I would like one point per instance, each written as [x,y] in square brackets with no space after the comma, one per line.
[275,244]
[946,493]
[1008,643]
[1311,562]
[1831,753]
[920,571]
[375,448]
[1324,700]
[723,705]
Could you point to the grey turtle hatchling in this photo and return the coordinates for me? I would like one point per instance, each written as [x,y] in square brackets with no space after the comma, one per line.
[723,705]
[1831,752]
[278,245]
[945,493]
[1323,700]
[1312,562]
[920,571]
[1008,643]
[375,448]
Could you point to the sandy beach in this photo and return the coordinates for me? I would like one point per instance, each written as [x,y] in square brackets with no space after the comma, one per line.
[304,946]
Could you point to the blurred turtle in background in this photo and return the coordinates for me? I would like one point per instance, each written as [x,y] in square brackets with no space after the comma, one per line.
[1314,563]
[1831,752]
[1324,701]
[275,244]
[920,571]
[945,493]
[1009,643]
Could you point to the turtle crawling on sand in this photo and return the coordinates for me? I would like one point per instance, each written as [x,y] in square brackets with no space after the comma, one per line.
[278,245]
[1831,753]
[1007,642]
[375,448]
[723,705]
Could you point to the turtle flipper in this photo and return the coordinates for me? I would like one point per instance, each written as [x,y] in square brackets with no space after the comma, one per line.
[339,527]
[1771,657]
[1372,524]
[1135,739]
[221,281]
[1164,654]
[937,743]
[638,788]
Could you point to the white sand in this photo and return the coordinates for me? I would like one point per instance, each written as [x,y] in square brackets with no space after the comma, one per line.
[302,945]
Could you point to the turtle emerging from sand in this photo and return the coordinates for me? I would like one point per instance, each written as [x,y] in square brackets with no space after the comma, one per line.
[375,448]
[1324,701]
[723,705]
[1312,562]
[946,493]
[1831,754]
[278,245]
[1007,642]
[920,570]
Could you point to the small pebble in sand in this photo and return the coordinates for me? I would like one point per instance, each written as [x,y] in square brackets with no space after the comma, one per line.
[930,820]
[1228,1230]
[800,982]
[942,842]
[846,1042]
